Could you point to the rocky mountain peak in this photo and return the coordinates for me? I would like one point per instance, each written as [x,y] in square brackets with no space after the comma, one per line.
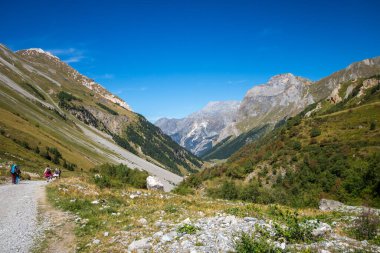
[278,84]
[53,62]
[37,52]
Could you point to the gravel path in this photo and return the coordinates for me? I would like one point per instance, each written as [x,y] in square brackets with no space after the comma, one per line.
[18,215]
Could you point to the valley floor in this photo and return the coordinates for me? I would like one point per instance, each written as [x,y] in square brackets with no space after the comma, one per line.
[132,220]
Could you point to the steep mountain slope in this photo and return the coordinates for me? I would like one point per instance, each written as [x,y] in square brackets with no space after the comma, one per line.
[200,130]
[281,97]
[284,96]
[264,105]
[262,108]
[362,69]
[330,150]
[50,112]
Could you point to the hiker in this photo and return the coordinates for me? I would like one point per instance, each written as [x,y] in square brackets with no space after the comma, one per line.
[18,174]
[13,171]
[57,173]
[47,173]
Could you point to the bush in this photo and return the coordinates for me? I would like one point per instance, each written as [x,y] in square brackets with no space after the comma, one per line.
[297,145]
[187,229]
[315,132]
[183,189]
[102,181]
[107,109]
[119,175]
[228,190]
[295,230]
[373,125]
[64,96]
[249,244]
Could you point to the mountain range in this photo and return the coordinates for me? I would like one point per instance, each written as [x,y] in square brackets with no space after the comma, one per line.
[331,149]
[262,107]
[50,113]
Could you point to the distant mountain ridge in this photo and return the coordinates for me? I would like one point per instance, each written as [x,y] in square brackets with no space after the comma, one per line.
[200,130]
[283,96]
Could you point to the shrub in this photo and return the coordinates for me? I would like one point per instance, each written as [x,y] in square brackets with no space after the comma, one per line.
[187,229]
[64,96]
[315,132]
[183,189]
[295,230]
[297,145]
[107,109]
[249,244]
[102,181]
[373,125]
[118,175]
[171,209]
[69,166]
[228,190]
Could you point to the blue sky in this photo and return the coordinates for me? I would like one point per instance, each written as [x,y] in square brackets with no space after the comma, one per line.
[169,58]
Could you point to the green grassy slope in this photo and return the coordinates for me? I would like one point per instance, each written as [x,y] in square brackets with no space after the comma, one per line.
[26,123]
[227,147]
[331,152]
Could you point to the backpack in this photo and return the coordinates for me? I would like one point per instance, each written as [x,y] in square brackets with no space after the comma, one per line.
[13,169]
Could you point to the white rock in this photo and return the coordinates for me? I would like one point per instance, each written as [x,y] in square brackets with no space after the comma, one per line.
[143,221]
[153,183]
[106,234]
[186,221]
[158,234]
[96,241]
[140,244]
[166,238]
[321,230]
[329,205]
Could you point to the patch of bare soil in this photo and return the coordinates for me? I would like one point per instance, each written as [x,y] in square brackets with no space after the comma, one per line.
[59,237]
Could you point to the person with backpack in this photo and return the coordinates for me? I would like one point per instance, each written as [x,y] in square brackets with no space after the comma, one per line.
[18,174]
[48,174]
[13,172]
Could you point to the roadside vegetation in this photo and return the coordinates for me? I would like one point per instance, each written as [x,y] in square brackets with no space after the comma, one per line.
[110,216]
[333,153]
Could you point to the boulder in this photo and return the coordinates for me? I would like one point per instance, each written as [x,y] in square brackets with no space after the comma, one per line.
[330,205]
[142,221]
[143,244]
[153,183]
[321,230]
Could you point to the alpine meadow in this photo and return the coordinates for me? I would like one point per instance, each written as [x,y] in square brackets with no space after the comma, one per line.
[190,126]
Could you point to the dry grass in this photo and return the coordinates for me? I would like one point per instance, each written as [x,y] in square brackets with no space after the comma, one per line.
[119,214]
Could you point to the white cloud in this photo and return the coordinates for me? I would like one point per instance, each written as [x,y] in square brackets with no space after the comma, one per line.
[73,59]
[68,55]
